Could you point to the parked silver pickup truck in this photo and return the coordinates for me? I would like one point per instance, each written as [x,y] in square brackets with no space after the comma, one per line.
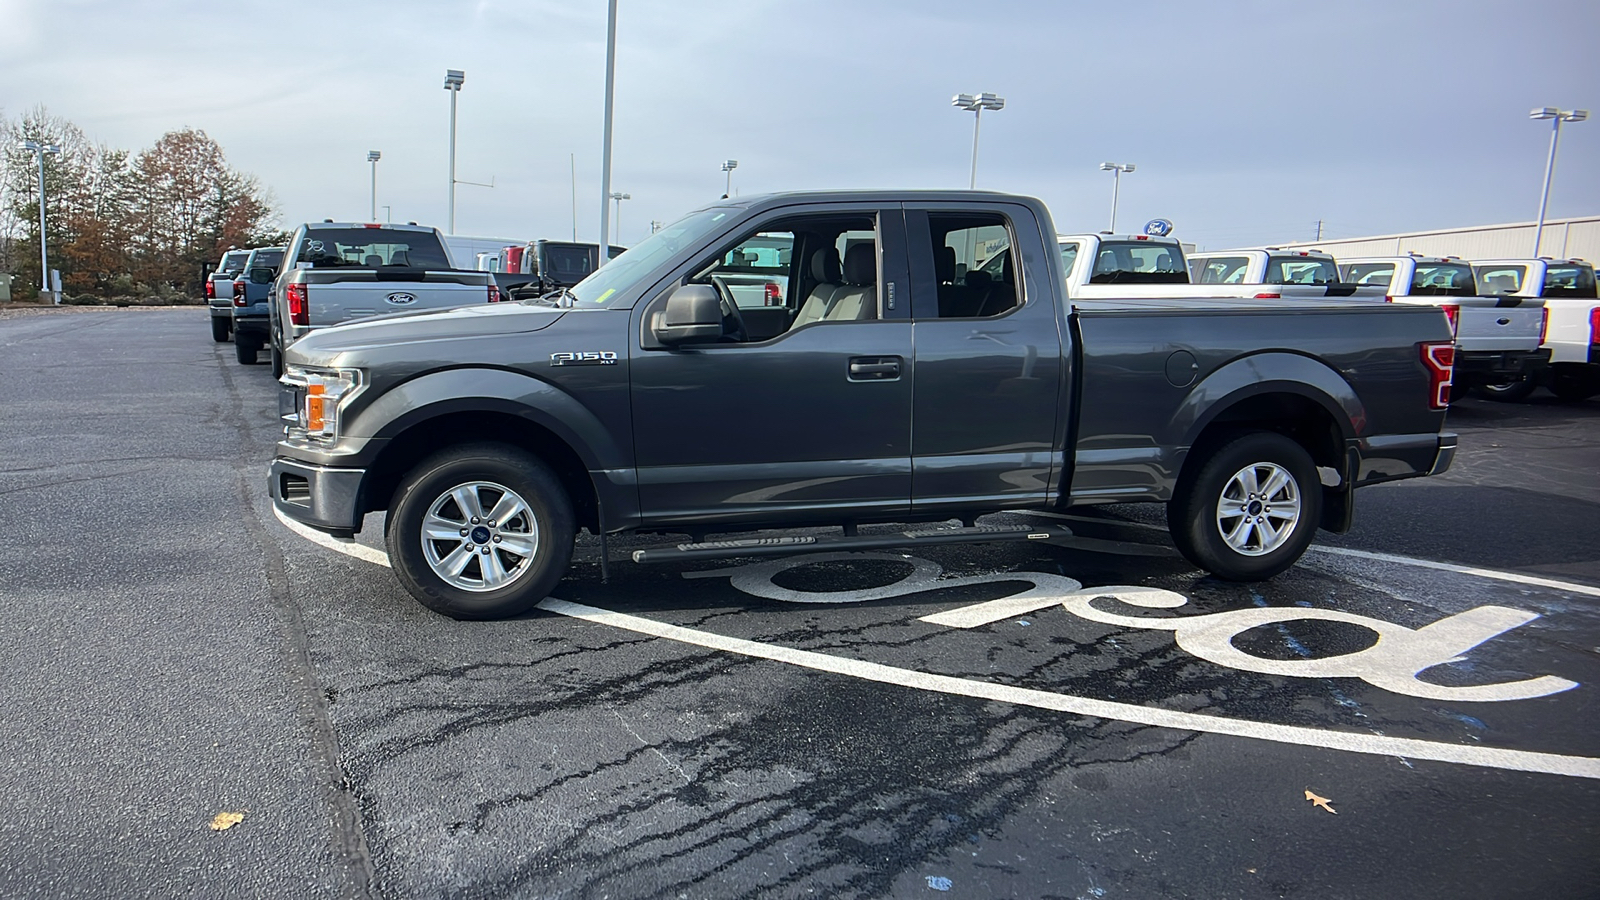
[1497,338]
[337,272]
[219,293]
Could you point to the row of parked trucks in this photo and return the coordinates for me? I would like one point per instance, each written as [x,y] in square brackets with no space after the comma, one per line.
[881,363]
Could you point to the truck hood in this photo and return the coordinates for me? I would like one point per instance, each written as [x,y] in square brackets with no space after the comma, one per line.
[427,325]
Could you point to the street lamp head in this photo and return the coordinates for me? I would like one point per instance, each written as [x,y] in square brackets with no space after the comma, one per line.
[964,101]
[1127,168]
[373,156]
[1577,115]
[454,79]
[1544,112]
[991,101]
[618,195]
[730,165]
[1106,167]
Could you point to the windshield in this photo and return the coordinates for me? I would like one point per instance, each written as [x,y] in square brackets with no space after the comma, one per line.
[1569,281]
[370,248]
[1139,262]
[1443,280]
[624,271]
[1300,270]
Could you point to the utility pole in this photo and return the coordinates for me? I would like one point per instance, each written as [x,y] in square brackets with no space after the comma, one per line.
[605,154]
[40,149]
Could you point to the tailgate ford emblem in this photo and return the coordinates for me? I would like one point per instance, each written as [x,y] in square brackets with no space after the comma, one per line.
[400,299]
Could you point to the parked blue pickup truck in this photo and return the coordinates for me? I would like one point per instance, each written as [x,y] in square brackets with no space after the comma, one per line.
[876,391]
[251,298]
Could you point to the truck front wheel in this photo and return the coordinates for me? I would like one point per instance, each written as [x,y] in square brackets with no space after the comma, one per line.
[482,531]
[1250,509]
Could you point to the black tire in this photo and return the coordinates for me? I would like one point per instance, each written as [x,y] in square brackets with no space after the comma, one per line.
[1196,527]
[277,360]
[1573,383]
[482,466]
[1507,392]
[220,329]
[246,348]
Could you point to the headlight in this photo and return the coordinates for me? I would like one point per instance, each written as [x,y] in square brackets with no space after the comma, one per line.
[320,396]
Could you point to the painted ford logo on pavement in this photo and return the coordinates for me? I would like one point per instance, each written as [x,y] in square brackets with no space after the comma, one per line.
[401,299]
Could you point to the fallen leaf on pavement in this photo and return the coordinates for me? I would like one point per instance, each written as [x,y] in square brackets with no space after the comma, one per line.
[226,820]
[1315,801]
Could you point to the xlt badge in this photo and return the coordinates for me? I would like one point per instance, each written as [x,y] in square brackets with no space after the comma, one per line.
[584,358]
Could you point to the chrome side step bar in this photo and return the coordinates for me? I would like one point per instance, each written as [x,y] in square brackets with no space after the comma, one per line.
[778,546]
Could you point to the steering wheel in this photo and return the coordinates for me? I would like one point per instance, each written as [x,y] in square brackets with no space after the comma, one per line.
[733,330]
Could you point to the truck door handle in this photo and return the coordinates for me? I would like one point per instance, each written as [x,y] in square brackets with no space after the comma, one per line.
[874,368]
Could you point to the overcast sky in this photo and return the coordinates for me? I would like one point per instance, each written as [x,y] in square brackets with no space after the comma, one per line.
[1248,121]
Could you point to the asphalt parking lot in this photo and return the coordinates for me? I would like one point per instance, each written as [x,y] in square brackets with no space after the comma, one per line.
[1093,719]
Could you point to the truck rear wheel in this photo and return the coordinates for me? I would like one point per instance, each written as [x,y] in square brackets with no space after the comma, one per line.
[1250,509]
[246,348]
[481,531]
[220,328]
[1514,391]
[1574,383]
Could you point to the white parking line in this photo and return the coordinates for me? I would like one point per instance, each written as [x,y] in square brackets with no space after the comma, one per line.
[347,547]
[1378,745]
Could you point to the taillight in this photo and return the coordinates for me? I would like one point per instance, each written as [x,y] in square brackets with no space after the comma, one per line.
[1544,325]
[1440,361]
[1452,312]
[1594,324]
[774,295]
[299,308]
[1269,297]
[238,293]
[494,294]
[211,289]
[1388,299]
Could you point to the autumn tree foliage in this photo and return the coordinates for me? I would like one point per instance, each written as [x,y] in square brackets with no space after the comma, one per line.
[117,223]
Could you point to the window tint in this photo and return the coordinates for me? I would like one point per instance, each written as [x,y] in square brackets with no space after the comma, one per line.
[1223,270]
[1569,281]
[1300,270]
[327,248]
[1443,280]
[973,265]
[1138,262]
[1501,279]
[1369,273]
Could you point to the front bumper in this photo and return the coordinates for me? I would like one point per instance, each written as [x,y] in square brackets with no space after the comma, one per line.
[324,498]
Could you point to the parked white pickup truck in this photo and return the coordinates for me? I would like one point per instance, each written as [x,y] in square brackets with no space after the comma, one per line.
[1572,330]
[1103,265]
[337,272]
[1497,338]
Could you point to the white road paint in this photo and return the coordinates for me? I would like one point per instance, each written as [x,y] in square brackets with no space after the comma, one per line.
[1378,745]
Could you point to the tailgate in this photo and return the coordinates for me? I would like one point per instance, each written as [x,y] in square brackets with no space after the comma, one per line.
[331,304]
[1489,327]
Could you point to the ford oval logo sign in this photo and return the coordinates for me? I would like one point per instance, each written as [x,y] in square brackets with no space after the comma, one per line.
[401,299]
[1158,228]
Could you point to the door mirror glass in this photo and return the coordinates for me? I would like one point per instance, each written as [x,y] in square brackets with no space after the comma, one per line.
[693,313]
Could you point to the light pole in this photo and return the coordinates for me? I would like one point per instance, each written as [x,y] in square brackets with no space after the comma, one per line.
[616,235]
[40,149]
[1559,115]
[372,157]
[728,166]
[453,80]
[1116,185]
[977,103]
[605,153]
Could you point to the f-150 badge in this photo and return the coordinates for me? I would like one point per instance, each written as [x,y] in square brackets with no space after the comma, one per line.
[401,299]
[584,358]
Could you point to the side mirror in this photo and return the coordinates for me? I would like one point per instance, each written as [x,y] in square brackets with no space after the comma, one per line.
[693,313]
[263,275]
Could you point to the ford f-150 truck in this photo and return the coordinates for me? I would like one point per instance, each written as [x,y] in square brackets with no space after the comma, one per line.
[1497,338]
[1107,265]
[334,272]
[252,295]
[1572,327]
[646,399]
[219,293]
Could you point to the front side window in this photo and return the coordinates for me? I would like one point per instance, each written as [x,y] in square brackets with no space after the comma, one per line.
[1138,262]
[1300,270]
[1369,273]
[1569,281]
[1223,270]
[973,265]
[1497,280]
[1443,280]
[371,248]
[756,273]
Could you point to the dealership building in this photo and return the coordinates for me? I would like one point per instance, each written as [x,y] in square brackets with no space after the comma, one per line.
[1562,238]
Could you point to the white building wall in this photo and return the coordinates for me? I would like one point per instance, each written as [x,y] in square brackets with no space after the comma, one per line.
[1563,238]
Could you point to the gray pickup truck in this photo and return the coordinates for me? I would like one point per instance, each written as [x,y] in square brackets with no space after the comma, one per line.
[219,293]
[336,272]
[649,400]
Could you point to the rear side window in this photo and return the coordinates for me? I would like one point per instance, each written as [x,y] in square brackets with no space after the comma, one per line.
[1138,262]
[330,248]
[974,270]
[1069,255]
[1368,273]
[1569,281]
[1443,280]
[1221,270]
[1501,279]
[1300,270]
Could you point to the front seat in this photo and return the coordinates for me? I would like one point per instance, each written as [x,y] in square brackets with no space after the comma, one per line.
[825,269]
[858,299]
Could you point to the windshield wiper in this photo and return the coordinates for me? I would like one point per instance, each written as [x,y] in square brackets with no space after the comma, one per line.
[561,298]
